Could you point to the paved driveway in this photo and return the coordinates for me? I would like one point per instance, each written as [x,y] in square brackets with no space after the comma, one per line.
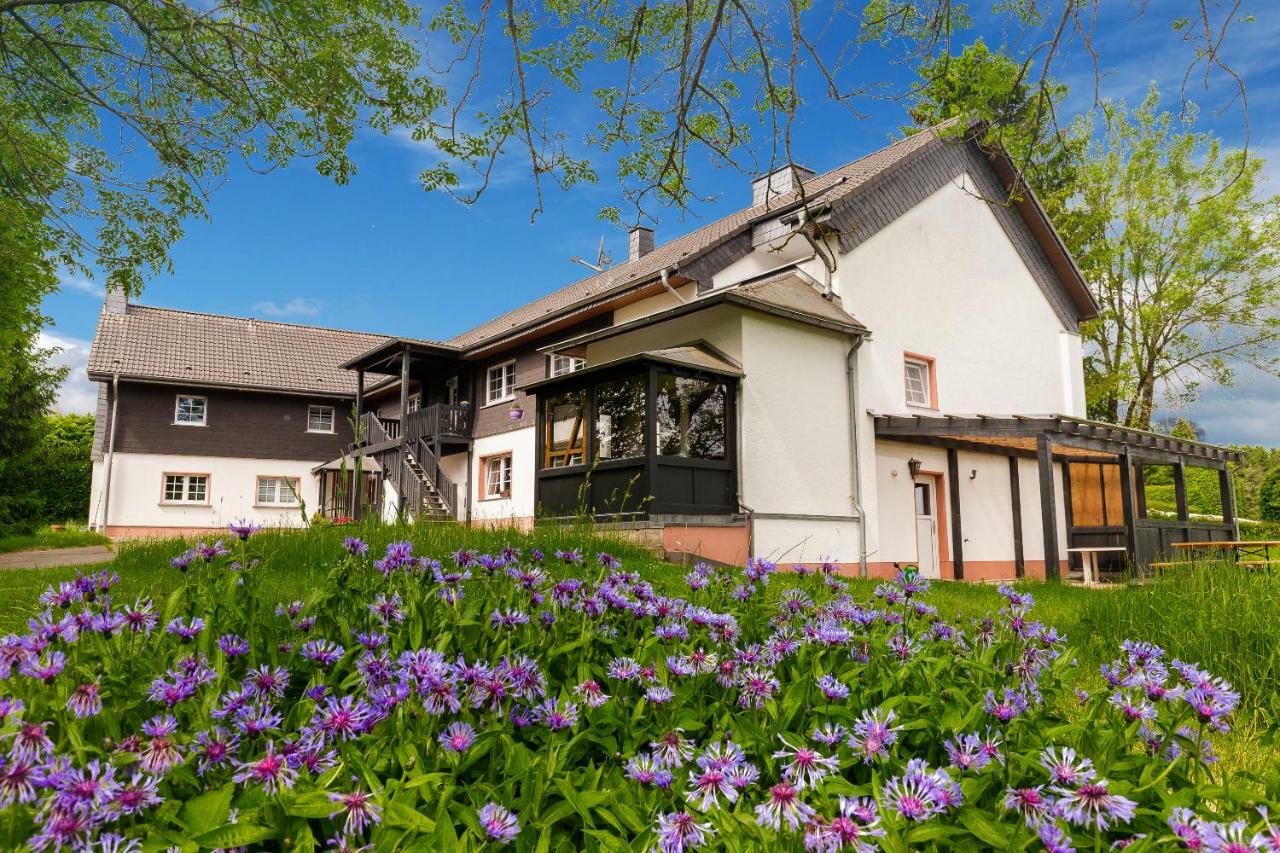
[57,557]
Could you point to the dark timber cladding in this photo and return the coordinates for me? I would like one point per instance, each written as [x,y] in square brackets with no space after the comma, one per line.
[957,536]
[1085,450]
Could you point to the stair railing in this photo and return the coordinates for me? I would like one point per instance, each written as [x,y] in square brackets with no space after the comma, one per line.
[445,487]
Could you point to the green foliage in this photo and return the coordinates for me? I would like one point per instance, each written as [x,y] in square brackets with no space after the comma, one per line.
[1181,246]
[69,536]
[1256,462]
[1269,497]
[196,86]
[66,467]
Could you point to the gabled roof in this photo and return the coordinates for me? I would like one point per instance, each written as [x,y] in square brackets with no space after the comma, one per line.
[836,185]
[166,345]
[683,249]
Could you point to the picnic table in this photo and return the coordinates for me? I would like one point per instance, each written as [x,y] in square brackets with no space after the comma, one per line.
[1089,559]
[1254,553]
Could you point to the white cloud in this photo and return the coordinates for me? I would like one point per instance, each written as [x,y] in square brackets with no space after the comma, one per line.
[296,307]
[1242,414]
[66,281]
[77,395]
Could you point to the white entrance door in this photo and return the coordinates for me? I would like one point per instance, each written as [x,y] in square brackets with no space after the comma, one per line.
[926,529]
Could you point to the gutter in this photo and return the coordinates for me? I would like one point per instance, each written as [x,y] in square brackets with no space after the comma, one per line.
[111,453]
[855,461]
[666,271]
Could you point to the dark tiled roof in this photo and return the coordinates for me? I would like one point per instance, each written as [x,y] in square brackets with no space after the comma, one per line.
[833,184]
[163,344]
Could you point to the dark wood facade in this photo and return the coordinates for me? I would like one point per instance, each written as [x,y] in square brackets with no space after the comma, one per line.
[245,424]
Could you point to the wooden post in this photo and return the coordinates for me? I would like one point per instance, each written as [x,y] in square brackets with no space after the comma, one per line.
[357,491]
[1227,488]
[953,490]
[1048,506]
[1015,495]
[1140,488]
[1127,507]
[404,414]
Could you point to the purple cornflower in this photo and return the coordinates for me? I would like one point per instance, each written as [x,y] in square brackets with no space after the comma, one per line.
[757,686]
[1030,803]
[680,831]
[903,647]
[1012,705]
[184,630]
[9,707]
[171,692]
[184,560]
[591,693]
[359,809]
[803,766]
[658,694]
[1092,805]
[673,749]
[509,619]
[829,734]
[46,668]
[913,797]
[271,771]
[707,785]
[1055,840]
[85,700]
[624,669]
[140,617]
[17,781]
[553,716]
[388,608]
[458,737]
[243,529]
[355,546]
[214,748]
[256,720]
[783,805]
[498,823]
[233,646]
[966,752]
[322,652]
[1065,768]
[134,796]
[873,734]
[160,755]
[341,718]
[643,769]
[209,552]
[31,741]
[832,688]
[267,681]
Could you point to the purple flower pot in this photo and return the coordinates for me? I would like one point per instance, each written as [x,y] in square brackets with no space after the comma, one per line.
[516,414]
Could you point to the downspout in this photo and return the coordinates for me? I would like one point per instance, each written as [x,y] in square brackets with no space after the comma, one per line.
[751,524]
[819,251]
[666,271]
[111,452]
[855,462]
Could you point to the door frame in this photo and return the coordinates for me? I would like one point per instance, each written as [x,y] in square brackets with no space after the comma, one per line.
[940,510]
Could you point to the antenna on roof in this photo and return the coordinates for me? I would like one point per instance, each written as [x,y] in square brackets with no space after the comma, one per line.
[603,259]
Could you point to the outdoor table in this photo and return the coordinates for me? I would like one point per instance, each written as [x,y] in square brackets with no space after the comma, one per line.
[1089,559]
[1260,549]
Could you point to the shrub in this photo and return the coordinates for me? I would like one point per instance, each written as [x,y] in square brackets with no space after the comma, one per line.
[1269,496]
[66,467]
[411,703]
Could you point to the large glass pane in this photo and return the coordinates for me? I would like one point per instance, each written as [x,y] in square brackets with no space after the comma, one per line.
[691,417]
[564,434]
[620,416]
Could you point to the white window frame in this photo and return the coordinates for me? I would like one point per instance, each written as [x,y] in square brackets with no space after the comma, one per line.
[925,381]
[185,483]
[414,402]
[282,495]
[177,410]
[508,382]
[333,419]
[564,364]
[504,477]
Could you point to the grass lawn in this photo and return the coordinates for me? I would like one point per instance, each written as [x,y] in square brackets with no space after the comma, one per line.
[1215,615]
[70,536]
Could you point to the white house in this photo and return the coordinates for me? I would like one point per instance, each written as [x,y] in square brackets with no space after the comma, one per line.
[875,366]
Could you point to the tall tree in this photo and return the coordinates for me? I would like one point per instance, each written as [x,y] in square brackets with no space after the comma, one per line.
[1182,248]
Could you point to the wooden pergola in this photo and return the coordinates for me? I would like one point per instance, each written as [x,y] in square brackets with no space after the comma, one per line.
[1078,445]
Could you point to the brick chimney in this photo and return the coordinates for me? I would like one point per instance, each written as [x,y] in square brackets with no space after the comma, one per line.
[640,242]
[116,301]
[780,181]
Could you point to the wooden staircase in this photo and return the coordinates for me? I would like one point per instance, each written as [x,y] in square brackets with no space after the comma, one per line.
[433,503]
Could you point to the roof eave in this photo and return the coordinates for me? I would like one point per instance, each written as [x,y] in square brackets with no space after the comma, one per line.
[180,382]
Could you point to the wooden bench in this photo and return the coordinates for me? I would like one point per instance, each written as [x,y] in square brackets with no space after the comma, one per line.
[1248,564]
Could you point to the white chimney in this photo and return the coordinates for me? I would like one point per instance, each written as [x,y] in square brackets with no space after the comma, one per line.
[780,181]
[116,300]
[640,242]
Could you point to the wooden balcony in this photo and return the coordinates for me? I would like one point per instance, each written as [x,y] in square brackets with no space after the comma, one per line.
[435,422]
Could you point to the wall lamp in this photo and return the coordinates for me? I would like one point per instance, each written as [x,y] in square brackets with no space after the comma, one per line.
[913,465]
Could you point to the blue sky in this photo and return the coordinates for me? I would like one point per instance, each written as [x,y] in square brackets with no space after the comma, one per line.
[383,255]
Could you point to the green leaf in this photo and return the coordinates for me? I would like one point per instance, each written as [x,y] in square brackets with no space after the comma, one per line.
[235,835]
[984,829]
[407,817]
[208,811]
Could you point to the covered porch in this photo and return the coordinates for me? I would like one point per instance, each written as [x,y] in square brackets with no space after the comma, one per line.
[413,414]
[1101,486]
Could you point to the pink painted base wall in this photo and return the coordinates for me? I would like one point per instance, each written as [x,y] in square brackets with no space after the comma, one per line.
[728,545]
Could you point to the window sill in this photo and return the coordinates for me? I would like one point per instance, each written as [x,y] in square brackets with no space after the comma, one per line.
[185,503]
[489,498]
[499,402]
[276,506]
[320,432]
[188,424]
[924,406]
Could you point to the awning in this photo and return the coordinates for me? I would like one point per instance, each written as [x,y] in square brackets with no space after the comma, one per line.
[701,358]
[368,465]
